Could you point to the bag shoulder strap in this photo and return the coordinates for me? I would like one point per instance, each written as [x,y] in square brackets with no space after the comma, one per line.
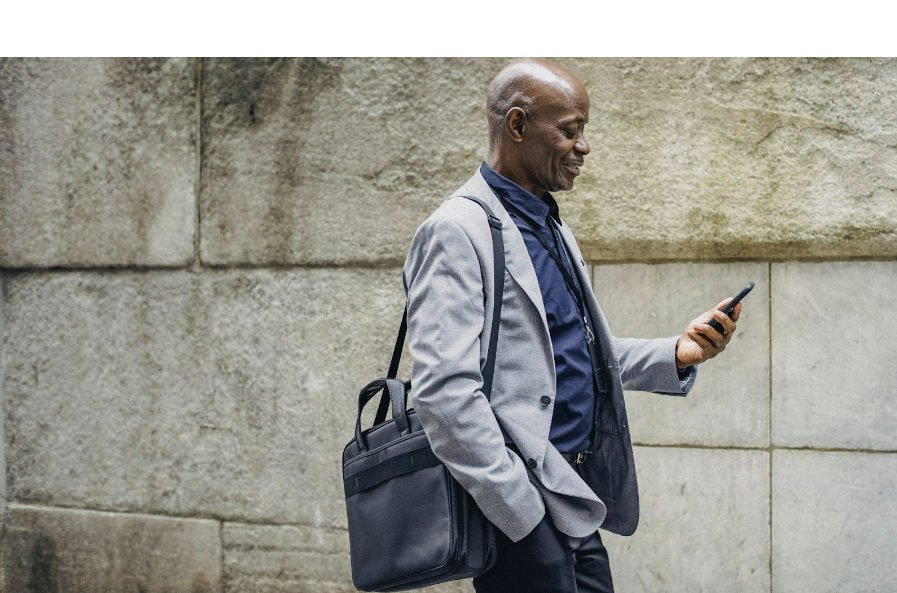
[498,258]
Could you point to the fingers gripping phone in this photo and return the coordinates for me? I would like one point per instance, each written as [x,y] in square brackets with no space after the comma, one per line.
[730,306]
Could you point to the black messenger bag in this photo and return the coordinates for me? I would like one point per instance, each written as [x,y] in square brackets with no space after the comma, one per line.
[410,523]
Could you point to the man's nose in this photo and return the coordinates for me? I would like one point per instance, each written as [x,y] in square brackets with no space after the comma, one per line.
[582,146]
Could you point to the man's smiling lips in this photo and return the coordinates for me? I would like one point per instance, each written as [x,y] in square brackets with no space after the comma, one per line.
[572,166]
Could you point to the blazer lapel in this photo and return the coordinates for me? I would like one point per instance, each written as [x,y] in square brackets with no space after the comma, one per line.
[517,260]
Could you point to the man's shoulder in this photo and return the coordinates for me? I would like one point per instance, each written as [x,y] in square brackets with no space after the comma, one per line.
[458,221]
[458,211]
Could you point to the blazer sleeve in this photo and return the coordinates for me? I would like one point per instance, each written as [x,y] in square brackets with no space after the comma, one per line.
[650,365]
[446,323]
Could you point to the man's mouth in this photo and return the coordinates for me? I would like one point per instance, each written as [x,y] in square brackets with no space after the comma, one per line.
[573,167]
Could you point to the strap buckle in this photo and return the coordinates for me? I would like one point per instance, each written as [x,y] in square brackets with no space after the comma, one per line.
[494,221]
[580,457]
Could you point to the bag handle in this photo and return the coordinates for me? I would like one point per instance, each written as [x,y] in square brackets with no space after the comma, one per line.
[498,259]
[395,390]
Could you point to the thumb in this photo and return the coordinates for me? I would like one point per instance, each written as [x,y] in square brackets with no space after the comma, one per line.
[722,304]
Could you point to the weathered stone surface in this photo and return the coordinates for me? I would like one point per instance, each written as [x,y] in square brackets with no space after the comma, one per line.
[704,523]
[729,405]
[333,160]
[2,435]
[834,525]
[97,162]
[45,549]
[339,160]
[294,559]
[285,559]
[225,393]
[695,158]
[833,355]
[738,158]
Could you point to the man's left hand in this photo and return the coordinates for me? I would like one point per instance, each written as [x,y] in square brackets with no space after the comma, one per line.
[700,342]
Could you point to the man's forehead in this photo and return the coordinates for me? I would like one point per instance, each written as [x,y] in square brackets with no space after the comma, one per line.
[567,107]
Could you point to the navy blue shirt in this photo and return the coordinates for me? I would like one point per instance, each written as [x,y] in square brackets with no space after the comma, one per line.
[577,402]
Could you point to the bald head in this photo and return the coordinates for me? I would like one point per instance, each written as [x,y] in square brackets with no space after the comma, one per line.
[530,84]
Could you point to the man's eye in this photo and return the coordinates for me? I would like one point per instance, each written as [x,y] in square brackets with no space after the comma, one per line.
[569,133]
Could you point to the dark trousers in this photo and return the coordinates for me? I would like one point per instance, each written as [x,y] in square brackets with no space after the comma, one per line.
[548,561]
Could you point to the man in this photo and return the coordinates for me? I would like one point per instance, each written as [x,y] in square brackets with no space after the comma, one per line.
[549,459]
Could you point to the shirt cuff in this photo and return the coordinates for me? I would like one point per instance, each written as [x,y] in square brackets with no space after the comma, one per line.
[687,378]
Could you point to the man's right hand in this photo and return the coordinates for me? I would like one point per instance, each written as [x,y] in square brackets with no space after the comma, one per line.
[700,342]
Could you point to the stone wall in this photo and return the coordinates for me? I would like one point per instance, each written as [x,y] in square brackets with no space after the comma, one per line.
[201,267]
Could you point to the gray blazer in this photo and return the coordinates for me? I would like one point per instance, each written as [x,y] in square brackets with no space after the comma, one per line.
[449,284]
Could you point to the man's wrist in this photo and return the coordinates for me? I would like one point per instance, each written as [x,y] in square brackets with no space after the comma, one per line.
[680,366]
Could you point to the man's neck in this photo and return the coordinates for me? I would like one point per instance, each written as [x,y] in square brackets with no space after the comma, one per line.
[514,174]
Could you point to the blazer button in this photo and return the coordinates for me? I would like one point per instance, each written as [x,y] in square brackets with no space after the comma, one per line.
[545,400]
[532,463]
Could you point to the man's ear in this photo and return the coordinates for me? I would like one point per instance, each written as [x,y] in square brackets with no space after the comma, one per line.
[515,123]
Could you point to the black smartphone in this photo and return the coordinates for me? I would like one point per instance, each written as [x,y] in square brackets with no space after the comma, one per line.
[731,305]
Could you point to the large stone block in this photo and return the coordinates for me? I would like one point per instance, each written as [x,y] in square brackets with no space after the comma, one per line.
[294,559]
[47,550]
[97,162]
[737,159]
[834,525]
[223,393]
[729,405]
[319,160]
[704,523]
[301,158]
[333,160]
[833,347]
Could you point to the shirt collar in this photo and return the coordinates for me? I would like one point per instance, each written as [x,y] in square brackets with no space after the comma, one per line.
[537,209]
